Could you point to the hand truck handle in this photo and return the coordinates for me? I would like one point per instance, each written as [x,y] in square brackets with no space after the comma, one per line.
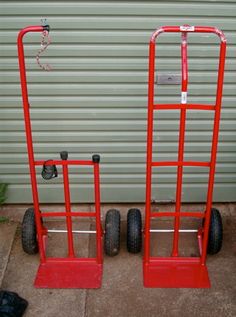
[188,29]
[37,28]
[21,58]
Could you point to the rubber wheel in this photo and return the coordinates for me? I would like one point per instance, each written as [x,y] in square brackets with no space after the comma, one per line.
[29,233]
[134,231]
[112,232]
[215,237]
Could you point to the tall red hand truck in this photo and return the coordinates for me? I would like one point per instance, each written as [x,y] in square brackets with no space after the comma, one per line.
[176,271]
[71,271]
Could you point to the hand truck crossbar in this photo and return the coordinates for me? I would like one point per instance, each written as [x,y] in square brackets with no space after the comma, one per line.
[184,106]
[180,163]
[64,162]
[180,214]
[70,214]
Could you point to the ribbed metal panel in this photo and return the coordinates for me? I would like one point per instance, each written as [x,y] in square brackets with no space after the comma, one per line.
[95,98]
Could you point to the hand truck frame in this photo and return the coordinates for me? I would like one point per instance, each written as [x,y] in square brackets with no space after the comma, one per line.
[176,271]
[71,271]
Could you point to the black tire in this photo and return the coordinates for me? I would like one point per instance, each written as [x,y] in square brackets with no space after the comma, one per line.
[112,232]
[215,237]
[134,231]
[29,233]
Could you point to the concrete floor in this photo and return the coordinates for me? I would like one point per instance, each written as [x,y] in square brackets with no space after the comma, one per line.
[122,293]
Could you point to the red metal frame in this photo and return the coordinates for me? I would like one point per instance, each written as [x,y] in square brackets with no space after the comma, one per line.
[175,271]
[69,272]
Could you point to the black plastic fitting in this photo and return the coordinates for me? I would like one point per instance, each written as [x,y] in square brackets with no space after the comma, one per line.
[64,155]
[96,158]
[46,28]
[49,171]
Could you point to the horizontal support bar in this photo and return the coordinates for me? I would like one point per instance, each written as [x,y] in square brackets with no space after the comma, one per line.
[174,214]
[63,162]
[189,163]
[172,230]
[173,259]
[68,214]
[77,260]
[186,106]
[73,231]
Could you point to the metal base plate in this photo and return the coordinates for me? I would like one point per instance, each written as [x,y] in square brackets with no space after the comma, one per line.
[176,272]
[69,273]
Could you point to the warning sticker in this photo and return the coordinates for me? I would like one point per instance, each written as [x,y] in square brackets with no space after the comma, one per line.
[187,28]
[184,97]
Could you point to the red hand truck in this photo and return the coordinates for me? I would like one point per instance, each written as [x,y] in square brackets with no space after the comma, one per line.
[176,271]
[71,271]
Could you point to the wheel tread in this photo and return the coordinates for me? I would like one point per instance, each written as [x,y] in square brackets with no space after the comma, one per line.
[215,232]
[112,232]
[134,231]
[28,233]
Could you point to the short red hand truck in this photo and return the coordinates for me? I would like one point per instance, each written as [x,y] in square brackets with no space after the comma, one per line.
[176,271]
[71,271]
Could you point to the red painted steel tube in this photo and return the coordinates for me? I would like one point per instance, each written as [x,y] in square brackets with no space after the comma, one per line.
[179,182]
[67,260]
[71,252]
[190,163]
[174,214]
[65,214]
[199,238]
[181,144]
[63,162]
[183,106]
[189,29]
[149,150]
[214,150]
[21,58]
[184,68]
[98,214]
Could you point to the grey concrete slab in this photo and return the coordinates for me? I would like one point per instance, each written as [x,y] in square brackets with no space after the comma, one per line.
[123,293]
[21,272]
[7,234]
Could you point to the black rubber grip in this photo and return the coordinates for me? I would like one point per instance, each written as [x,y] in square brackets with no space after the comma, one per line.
[46,28]
[96,158]
[64,155]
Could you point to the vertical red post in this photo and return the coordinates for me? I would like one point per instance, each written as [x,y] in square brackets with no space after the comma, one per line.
[149,149]
[213,150]
[181,143]
[71,253]
[28,131]
[96,160]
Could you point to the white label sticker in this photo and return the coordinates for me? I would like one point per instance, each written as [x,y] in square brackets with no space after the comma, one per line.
[184,97]
[187,28]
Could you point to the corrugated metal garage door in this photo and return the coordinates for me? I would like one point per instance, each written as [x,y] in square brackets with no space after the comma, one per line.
[95,99]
